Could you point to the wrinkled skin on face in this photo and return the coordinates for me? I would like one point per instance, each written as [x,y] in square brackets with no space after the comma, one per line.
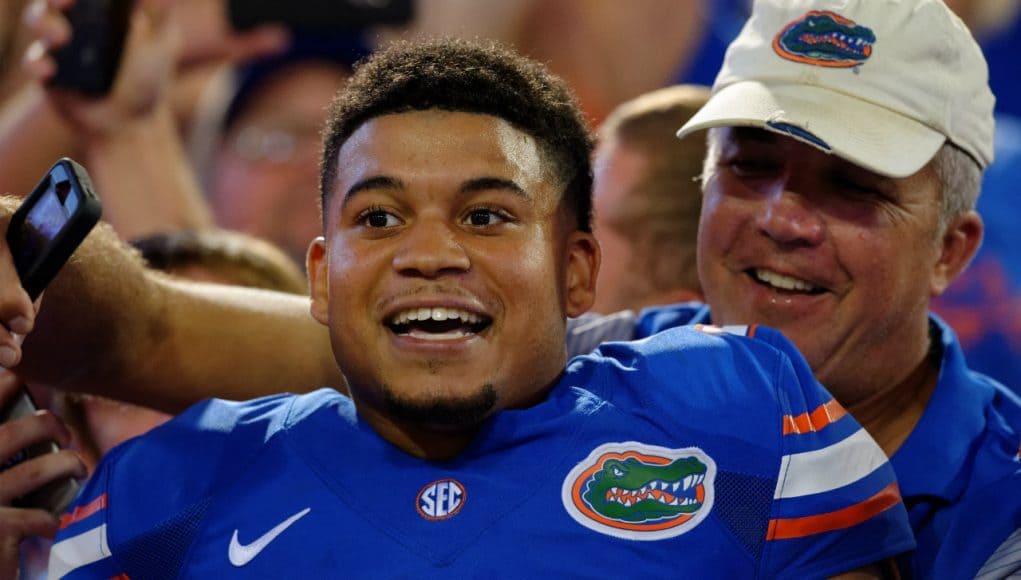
[841,260]
[446,273]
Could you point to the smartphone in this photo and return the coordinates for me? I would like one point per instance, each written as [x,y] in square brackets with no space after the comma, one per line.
[42,234]
[88,63]
[320,14]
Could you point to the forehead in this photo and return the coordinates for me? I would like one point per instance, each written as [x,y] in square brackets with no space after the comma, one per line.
[808,159]
[436,145]
[762,141]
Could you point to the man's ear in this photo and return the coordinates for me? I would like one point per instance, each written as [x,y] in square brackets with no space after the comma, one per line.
[959,244]
[316,261]
[580,273]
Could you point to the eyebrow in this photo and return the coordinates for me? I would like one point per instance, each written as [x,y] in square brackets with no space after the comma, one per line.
[471,186]
[490,183]
[754,134]
[376,182]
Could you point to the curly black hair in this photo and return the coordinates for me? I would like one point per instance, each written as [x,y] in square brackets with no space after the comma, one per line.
[463,76]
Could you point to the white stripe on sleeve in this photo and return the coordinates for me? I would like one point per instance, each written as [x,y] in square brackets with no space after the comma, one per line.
[77,551]
[829,468]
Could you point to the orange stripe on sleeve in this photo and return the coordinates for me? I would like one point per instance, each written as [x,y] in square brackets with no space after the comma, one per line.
[787,528]
[83,511]
[817,420]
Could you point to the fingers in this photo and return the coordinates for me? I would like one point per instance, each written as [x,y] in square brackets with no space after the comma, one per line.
[34,473]
[50,30]
[22,523]
[29,430]
[10,386]
[259,42]
[17,313]
[16,525]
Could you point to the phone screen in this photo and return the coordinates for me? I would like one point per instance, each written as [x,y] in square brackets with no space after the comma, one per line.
[47,218]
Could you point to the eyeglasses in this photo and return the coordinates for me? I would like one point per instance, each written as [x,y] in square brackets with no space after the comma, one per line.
[275,144]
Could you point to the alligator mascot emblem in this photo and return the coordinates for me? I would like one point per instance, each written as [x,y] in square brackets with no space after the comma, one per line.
[826,39]
[640,492]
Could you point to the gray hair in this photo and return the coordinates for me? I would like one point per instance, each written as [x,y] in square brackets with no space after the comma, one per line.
[958,176]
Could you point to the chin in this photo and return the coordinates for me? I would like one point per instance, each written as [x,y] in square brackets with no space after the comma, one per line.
[449,412]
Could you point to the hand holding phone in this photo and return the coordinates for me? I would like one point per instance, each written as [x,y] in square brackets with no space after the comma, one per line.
[42,234]
[89,62]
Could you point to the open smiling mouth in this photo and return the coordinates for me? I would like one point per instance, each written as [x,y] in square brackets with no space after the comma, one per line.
[437,323]
[782,283]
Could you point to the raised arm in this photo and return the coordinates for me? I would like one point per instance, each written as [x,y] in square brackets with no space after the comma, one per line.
[110,326]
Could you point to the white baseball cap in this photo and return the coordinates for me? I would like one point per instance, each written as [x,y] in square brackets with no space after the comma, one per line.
[881,83]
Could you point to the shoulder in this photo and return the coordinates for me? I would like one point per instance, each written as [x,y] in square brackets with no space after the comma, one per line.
[155,488]
[228,434]
[754,369]
[659,318]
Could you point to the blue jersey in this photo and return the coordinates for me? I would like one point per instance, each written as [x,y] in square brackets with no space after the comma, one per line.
[959,469]
[692,453]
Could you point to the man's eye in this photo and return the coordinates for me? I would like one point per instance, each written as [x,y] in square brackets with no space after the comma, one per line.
[378,219]
[484,217]
[858,188]
[745,167]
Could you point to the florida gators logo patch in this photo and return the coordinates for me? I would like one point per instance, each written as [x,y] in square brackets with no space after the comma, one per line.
[825,38]
[636,491]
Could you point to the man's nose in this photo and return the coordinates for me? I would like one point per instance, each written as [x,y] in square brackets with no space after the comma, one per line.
[790,217]
[430,248]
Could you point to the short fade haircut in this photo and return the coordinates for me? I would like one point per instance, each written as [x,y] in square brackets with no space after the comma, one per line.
[461,76]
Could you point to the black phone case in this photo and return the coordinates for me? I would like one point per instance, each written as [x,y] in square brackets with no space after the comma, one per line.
[56,495]
[37,271]
[88,64]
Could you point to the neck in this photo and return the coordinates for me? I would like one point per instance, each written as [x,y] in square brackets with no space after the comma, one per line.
[889,415]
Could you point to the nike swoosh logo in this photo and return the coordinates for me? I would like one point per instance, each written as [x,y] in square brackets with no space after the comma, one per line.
[241,555]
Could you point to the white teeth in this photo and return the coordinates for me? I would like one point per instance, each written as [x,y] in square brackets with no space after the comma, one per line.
[781,281]
[676,485]
[438,314]
[687,482]
[449,335]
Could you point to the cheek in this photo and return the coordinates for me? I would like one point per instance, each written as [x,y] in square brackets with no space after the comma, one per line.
[719,222]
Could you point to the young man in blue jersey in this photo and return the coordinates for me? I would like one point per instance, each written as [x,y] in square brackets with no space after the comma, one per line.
[953,435]
[456,207]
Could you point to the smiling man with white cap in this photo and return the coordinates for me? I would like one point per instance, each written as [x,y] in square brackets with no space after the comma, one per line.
[847,142]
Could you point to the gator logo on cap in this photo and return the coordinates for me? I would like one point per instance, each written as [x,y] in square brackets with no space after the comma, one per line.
[640,492]
[826,39]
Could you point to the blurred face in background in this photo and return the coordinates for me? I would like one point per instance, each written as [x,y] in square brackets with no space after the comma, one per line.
[266,171]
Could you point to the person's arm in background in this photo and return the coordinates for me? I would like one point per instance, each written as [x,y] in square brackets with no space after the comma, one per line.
[32,134]
[129,139]
[17,524]
[131,145]
[111,327]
